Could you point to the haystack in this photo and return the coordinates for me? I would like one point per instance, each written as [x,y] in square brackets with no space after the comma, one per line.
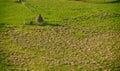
[39,19]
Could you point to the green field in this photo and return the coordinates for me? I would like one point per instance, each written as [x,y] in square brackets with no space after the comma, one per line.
[79,35]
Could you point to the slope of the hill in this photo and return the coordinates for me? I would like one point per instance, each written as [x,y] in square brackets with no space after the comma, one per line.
[78,35]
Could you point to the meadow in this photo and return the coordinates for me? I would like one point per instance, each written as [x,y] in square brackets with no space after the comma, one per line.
[79,35]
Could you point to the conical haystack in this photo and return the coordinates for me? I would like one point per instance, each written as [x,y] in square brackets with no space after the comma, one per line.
[39,19]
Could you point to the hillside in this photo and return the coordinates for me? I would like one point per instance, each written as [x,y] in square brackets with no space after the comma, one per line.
[77,36]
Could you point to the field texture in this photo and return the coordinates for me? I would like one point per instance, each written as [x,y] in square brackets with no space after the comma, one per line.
[78,35]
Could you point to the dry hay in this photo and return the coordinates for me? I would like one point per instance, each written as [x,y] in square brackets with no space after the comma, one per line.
[60,48]
[39,19]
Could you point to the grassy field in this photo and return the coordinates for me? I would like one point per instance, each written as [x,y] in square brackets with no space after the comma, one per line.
[78,36]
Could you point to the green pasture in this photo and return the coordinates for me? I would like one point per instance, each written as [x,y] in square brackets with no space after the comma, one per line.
[78,35]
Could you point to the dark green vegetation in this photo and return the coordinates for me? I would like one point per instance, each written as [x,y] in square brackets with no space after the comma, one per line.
[78,35]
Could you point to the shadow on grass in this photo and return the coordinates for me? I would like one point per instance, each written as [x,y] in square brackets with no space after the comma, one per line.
[2,27]
[116,1]
[50,24]
[45,24]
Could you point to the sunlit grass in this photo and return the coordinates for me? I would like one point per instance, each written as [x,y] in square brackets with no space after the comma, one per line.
[78,35]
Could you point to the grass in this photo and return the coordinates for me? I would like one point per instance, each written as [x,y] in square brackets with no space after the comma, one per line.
[78,36]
